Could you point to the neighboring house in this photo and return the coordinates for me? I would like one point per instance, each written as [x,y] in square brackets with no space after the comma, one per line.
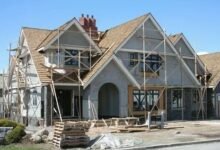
[212,61]
[128,70]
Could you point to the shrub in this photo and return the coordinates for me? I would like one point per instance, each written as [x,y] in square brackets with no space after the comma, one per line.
[17,132]
[7,123]
[15,135]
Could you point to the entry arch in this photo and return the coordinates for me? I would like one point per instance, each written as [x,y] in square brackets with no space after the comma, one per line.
[108,101]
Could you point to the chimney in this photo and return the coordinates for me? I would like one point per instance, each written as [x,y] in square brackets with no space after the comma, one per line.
[89,24]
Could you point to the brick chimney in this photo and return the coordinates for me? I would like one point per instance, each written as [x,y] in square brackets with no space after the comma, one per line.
[89,24]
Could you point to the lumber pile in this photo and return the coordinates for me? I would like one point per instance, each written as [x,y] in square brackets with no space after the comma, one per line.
[71,134]
[114,122]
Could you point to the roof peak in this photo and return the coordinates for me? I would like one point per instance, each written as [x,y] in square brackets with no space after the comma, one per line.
[145,15]
[36,28]
[176,34]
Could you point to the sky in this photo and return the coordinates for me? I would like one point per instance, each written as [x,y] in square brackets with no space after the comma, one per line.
[199,20]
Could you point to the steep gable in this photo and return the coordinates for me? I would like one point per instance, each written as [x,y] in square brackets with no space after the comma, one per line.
[69,34]
[111,41]
[34,37]
[187,53]
[212,62]
[154,40]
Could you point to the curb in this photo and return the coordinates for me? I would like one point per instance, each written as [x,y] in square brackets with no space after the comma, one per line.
[172,144]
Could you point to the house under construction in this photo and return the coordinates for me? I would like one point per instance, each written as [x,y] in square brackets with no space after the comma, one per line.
[78,72]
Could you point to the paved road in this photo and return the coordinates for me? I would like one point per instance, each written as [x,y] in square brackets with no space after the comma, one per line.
[205,146]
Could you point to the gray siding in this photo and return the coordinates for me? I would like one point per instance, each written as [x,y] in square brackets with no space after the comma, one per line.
[153,38]
[72,37]
[110,74]
[176,73]
[176,114]
[183,49]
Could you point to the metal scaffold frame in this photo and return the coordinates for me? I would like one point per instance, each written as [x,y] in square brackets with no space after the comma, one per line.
[18,70]
[163,56]
[19,73]
[76,71]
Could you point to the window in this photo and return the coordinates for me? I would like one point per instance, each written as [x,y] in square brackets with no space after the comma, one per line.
[144,100]
[152,97]
[133,59]
[71,58]
[152,63]
[53,57]
[1,93]
[34,98]
[195,96]
[177,98]
[139,100]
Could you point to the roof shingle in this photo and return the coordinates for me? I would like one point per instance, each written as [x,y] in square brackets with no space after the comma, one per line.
[34,37]
[112,39]
[212,62]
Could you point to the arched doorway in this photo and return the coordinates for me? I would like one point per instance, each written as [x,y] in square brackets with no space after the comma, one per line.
[108,103]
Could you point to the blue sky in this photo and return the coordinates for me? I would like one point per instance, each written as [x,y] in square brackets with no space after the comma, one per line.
[199,20]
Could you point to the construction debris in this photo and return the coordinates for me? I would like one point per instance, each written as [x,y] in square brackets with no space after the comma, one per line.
[40,136]
[108,141]
[128,121]
[71,134]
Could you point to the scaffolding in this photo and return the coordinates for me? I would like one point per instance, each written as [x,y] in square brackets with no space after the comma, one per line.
[60,74]
[163,86]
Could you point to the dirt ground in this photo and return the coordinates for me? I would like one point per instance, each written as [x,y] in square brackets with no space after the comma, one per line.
[174,132]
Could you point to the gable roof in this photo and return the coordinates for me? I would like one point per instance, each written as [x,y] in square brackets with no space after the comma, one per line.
[34,37]
[174,38]
[179,57]
[55,34]
[212,62]
[38,38]
[177,37]
[52,34]
[112,40]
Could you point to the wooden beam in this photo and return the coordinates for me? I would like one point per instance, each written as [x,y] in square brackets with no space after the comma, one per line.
[77,47]
[147,52]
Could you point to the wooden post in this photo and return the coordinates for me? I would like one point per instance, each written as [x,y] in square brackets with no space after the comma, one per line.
[148,121]
[45,106]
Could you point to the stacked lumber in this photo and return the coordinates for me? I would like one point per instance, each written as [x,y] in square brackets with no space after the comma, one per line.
[114,122]
[71,134]
[101,123]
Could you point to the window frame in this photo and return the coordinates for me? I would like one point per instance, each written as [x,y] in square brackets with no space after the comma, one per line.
[133,59]
[68,57]
[145,99]
[153,60]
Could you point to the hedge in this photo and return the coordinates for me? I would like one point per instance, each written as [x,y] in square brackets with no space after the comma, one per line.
[17,132]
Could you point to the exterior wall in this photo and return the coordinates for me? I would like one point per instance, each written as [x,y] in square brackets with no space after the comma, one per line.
[110,74]
[182,49]
[177,75]
[73,36]
[214,102]
[153,38]
[33,92]
[176,114]
[175,71]
[191,64]
[34,112]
